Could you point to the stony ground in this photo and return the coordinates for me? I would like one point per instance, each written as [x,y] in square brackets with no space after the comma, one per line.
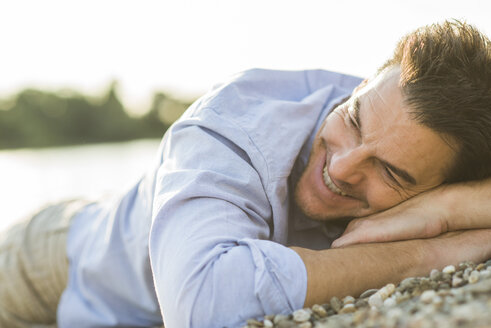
[454,297]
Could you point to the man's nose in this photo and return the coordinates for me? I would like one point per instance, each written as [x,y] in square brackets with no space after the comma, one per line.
[347,166]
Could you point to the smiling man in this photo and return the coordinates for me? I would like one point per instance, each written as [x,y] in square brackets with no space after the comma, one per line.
[415,129]
[370,154]
[256,182]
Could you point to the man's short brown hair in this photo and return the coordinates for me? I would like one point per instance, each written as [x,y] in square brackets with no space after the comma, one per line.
[446,81]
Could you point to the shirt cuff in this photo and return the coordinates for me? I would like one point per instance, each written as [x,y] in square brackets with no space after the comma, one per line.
[280,276]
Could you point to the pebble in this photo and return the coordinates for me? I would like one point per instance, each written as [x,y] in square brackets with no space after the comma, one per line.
[367,293]
[446,276]
[449,269]
[474,277]
[361,303]
[286,324]
[348,300]
[306,324]
[331,311]
[427,296]
[444,286]
[336,304]
[485,274]
[435,274]
[467,264]
[301,315]
[359,317]
[319,310]
[375,300]
[457,282]
[390,302]
[464,313]
[395,313]
[409,283]
[437,300]
[348,308]
[279,317]
[387,290]
[453,298]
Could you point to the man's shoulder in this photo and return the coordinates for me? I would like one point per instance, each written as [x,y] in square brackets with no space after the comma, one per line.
[276,111]
[287,84]
[249,88]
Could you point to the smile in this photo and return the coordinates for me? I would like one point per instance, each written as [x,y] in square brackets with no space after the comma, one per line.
[328,182]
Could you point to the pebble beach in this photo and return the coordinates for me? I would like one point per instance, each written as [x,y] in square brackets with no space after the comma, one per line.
[457,296]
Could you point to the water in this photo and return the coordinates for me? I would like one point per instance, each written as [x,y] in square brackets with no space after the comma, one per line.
[30,178]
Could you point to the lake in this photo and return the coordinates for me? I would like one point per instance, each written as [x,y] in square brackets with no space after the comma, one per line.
[31,178]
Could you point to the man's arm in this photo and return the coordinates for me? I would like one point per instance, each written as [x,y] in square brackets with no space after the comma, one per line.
[352,270]
[447,208]
[212,262]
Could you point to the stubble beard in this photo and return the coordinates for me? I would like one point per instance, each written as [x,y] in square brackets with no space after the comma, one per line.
[302,196]
[304,203]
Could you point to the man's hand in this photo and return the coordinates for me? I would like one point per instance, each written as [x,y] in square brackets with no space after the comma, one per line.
[422,216]
[447,208]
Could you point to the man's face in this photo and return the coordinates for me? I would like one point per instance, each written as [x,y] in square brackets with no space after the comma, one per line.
[369,155]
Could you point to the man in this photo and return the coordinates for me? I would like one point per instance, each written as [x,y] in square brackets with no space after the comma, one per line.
[254,182]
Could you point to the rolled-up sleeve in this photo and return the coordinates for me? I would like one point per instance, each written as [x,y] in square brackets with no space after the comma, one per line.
[211,255]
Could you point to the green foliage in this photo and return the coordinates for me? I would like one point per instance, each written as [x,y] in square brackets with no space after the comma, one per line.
[36,118]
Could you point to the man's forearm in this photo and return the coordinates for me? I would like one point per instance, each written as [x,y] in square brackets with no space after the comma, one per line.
[351,270]
[469,205]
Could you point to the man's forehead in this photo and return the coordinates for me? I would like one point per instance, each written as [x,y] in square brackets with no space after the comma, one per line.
[387,79]
[386,159]
[381,115]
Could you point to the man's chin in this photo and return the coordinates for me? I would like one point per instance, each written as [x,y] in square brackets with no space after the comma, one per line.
[313,213]
[311,206]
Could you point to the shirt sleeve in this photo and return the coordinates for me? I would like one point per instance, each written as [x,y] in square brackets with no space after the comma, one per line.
[211,257]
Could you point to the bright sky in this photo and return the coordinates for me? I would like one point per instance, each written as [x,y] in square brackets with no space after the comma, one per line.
[185,46]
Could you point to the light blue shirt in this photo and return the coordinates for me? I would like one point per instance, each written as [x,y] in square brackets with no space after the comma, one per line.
[201,240]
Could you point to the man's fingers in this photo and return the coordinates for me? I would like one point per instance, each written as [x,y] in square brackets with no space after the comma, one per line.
[363,230]
[344,241]
[390,226]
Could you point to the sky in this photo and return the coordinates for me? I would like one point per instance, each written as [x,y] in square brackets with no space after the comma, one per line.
[186,46]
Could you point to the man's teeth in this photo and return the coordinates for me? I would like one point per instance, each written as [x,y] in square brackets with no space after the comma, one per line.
[328,182]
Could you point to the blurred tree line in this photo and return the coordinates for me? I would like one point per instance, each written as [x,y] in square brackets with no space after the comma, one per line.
[34,118]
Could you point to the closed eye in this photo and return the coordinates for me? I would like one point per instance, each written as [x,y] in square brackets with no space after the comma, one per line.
[391,176]
[353,112]
[353,122]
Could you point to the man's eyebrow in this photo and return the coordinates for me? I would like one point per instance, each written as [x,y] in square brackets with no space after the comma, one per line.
[356,111]
[400,172]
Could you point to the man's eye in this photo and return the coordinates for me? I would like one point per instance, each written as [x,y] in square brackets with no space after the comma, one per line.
[389,173]
[353,122]
[391,176]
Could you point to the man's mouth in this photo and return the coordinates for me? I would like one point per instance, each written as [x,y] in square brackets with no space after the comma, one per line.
[328,182]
